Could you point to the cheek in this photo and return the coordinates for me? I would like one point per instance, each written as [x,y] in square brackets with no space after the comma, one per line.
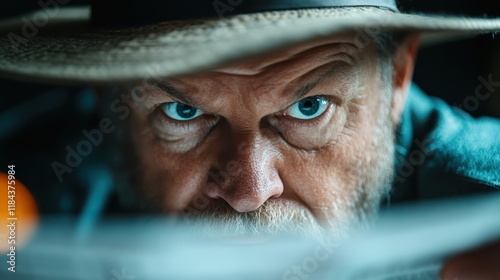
[328,182]
[170,181]
[332,181]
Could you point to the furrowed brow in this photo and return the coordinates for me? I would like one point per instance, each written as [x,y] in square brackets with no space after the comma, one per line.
[304,90]
[172,91]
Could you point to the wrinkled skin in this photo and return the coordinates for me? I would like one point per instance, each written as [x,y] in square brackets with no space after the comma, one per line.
[247,149]
[246,165]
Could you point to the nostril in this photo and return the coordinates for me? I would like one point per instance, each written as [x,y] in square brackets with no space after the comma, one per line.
[211,190]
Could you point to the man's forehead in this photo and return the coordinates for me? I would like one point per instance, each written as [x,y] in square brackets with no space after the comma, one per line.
[289,71]
[255,65]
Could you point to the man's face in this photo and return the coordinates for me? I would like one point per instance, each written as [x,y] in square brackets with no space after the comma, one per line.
[299,140]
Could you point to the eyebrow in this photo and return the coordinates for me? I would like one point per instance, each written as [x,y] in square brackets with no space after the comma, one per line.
[178,95]
[172,91]
[304,90]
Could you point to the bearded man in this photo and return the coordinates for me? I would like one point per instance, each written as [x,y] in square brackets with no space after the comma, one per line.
[270,116]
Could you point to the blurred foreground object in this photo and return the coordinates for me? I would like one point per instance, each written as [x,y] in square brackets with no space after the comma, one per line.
[23,214]
[407,241]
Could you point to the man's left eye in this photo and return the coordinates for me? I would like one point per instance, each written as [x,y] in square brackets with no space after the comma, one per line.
[308,108]
[181,112]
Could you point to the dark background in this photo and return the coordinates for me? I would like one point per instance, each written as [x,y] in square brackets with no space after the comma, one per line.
[38,121]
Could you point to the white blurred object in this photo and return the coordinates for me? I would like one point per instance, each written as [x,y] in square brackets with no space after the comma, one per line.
[406,241]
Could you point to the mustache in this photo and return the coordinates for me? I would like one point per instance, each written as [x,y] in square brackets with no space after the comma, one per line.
[274,217]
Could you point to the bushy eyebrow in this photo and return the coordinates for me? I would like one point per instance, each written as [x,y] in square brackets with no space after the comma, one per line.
[177,94]
[172,91]
[304,90]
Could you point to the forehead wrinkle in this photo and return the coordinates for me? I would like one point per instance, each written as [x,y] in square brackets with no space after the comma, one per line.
[302,63]
[257,65]
[293,85]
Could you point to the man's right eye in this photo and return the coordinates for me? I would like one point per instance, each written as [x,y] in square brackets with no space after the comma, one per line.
[181,126]
[180,112]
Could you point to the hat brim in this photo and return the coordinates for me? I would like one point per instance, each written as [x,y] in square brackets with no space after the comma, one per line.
[67,49]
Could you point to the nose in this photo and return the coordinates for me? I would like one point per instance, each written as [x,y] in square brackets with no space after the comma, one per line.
[249,178]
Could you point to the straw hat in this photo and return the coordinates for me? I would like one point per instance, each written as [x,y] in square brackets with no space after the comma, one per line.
[125,40]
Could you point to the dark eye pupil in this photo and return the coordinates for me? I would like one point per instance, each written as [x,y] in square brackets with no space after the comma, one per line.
[309,106]
[186,111]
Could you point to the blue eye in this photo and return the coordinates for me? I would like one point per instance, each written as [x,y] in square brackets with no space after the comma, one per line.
[308,108]
[181,112]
